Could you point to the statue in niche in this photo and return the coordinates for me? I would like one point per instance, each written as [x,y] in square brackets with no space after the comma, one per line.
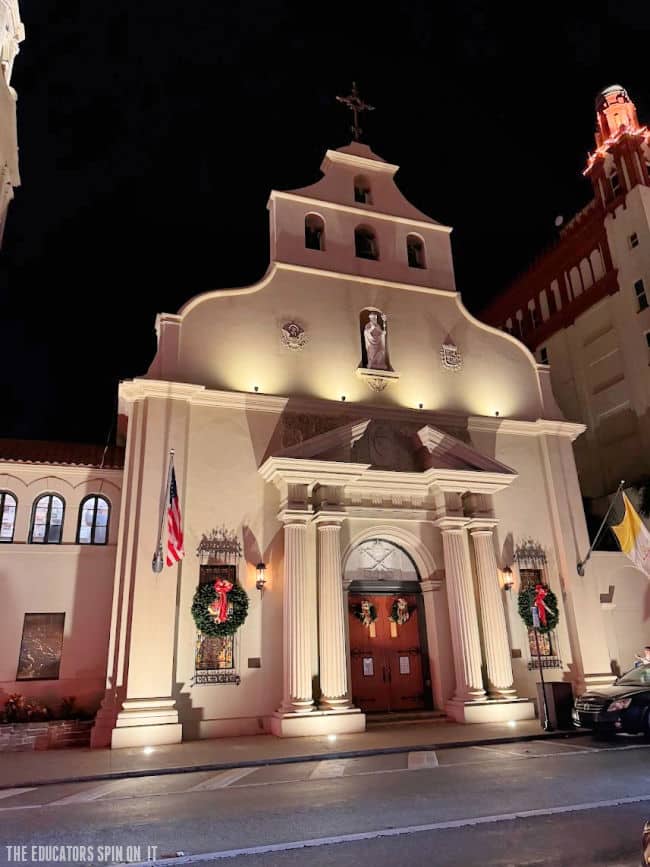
[374,353]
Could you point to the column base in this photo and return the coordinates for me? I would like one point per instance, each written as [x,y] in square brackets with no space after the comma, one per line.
[319,722]
[490,710]
[147,722]
[342,703]
[507,694]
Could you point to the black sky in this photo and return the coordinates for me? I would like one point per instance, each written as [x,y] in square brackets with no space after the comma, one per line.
[151,133]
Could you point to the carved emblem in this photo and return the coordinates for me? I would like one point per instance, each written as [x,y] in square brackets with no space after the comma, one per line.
[293,335]
[450,357]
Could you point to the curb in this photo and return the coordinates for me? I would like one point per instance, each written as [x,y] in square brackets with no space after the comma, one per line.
[292,760]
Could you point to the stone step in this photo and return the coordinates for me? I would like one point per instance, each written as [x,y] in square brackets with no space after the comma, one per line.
[400,718]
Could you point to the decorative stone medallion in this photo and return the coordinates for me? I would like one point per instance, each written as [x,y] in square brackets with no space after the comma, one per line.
[450,357]
[293,335]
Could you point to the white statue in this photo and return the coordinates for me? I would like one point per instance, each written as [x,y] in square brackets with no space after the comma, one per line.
[375,339]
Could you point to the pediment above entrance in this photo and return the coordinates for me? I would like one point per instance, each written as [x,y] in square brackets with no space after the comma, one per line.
[399,446]
[383,463]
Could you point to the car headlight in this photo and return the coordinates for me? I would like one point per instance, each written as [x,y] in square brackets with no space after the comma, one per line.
[619,704]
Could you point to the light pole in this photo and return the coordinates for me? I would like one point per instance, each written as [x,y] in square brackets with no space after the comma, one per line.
[548,727]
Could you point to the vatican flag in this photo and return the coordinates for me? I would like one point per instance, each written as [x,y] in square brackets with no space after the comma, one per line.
[634,538]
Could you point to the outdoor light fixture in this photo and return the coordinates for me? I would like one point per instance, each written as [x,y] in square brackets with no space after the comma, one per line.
[261,577]
[147,751]
[420,406]
[256,388]
[331,737]
[507,578]
[342,397]
[496,412]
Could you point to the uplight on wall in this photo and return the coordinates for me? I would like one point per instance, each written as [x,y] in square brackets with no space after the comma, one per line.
[261,577]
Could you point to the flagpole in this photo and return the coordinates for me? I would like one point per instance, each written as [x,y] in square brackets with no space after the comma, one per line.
[581,565]
[158,560]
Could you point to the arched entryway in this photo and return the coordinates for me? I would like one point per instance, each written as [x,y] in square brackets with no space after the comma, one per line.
[389,663]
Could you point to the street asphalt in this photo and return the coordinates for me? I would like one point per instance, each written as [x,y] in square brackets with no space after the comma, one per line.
[572,802]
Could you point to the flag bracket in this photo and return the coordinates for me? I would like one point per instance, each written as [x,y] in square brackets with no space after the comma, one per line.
[582,563]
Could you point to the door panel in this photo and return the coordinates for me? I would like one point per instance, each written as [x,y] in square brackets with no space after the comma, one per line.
[387,667]
[405,661]
[370,687]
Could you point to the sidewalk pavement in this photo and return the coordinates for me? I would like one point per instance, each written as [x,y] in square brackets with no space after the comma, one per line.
[80,765]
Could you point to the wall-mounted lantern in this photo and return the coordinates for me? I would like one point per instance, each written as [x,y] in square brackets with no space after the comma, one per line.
[261,576]
[507,578]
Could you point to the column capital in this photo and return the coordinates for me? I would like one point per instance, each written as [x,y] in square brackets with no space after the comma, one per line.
[482,526]
[430,585]
[329,519]
[452,524]
[294,516]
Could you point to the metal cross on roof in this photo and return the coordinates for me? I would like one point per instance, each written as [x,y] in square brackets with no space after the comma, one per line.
[356,106]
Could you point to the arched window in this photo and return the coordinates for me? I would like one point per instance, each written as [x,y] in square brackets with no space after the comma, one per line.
[47,519]
[415,251]
[94,512]
[7,516]
[362,190]
[596,264]
[585,273]
[365,243]
[314,232]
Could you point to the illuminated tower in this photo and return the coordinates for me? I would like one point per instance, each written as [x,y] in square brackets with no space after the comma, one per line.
[12,33]
[622,157]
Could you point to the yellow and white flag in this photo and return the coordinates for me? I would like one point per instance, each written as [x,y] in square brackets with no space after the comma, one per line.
[634,538]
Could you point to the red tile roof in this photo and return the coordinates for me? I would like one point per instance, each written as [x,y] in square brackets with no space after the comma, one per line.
[73,454]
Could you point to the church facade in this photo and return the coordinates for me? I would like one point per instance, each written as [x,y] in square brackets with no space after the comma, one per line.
[380,472]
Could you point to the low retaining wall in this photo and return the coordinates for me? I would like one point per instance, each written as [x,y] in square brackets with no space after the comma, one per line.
[55,735]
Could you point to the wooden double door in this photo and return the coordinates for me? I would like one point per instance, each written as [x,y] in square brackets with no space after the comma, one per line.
[386,658]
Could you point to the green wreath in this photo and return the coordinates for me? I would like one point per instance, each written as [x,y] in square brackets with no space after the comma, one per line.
[526,602]
[358,613]
[394,610]
[237,610]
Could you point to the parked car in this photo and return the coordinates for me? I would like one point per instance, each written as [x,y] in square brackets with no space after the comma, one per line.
[622,707]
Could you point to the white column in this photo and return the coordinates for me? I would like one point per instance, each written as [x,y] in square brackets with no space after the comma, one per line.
[333,662]
[495,632]
[296,627]
[462,612]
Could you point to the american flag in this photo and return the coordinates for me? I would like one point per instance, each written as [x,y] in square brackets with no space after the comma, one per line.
[175,550]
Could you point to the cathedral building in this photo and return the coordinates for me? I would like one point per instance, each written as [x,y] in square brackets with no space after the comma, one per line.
[366,477]
[12,33]
[582,306]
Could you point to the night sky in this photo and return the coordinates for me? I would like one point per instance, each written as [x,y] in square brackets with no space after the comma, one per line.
[151,134]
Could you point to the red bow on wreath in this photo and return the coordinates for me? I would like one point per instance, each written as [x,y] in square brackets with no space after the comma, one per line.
[219,608]
[542,607]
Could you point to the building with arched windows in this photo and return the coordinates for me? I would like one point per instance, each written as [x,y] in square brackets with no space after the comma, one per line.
[372,465]
[582,306]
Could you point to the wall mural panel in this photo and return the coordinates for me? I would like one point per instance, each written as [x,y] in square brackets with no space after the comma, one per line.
[41,646]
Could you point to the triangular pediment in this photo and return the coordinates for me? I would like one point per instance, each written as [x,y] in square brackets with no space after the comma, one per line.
[333,445]
[440,450]
[386,445]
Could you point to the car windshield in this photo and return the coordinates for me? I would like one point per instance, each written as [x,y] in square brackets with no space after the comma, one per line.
[637,677]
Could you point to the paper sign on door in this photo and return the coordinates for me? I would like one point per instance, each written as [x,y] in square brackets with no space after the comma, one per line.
[368,666]
[404,665]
